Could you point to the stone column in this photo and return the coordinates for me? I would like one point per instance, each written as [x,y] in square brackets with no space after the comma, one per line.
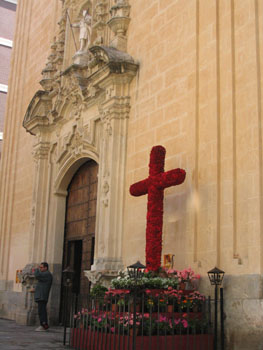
[39,203]
[111,190]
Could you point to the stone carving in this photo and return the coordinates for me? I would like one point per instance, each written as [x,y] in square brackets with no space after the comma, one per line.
[84,110]
[105,191]
[27,277]
[103,276]
[33,215]
[76,144]
[82,56]
[100,22]
[41,150]
[55,59]
[119,24]
[49,71]
[107,125]
[121,9]
[84,26]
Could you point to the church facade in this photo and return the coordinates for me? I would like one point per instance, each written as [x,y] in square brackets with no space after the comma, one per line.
[117,78]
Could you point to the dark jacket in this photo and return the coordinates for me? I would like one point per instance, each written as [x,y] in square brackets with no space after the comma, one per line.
[43,285]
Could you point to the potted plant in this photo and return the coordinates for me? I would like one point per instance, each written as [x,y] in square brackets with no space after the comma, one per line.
[98,293]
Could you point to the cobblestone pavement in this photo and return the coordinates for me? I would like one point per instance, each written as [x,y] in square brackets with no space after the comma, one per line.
[16,337]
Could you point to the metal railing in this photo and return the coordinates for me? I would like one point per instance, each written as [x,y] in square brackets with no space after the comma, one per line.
[136,322]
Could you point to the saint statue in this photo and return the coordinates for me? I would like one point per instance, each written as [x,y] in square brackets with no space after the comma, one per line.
[84,31]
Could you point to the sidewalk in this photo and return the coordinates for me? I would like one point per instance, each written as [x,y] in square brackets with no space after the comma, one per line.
[16,337]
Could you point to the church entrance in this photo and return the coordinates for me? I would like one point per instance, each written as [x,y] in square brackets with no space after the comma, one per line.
[79,239]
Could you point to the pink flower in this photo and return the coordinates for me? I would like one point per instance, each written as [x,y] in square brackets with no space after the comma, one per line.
[162,318]
[185,323]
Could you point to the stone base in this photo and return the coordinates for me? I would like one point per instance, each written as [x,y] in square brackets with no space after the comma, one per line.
[13,305]
[243,309]
[81,58]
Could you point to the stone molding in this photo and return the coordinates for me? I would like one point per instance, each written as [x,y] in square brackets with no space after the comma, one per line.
[81,114]
[103,276]
[100,22]
[119,23]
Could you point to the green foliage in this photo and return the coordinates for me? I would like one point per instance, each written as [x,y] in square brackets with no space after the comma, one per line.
[98,291]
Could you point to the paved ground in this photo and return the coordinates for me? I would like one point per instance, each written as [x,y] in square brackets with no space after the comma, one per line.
[17,337]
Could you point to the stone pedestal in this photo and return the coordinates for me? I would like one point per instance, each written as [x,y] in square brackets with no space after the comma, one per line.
[81,58]
[243,310]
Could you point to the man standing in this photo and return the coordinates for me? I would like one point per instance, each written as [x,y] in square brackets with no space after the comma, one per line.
[44,278]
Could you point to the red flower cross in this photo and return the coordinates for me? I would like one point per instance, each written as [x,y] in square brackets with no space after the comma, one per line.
[154,186]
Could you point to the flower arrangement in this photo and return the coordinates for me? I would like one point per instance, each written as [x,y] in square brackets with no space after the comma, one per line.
[151,280]
[187,275]
[161,279]
[159,300]
[146,324]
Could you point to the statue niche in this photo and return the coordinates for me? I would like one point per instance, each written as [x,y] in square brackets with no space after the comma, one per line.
[82,54]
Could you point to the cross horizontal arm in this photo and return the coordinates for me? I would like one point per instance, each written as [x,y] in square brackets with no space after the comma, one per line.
[172,178]
[139,188]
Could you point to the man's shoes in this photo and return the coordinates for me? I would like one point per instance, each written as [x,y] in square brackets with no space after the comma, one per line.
[40,329]
[45,326]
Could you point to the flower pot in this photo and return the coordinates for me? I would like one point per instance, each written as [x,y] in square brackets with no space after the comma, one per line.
[182,286]
[137,307]
[131,331]
[170,308]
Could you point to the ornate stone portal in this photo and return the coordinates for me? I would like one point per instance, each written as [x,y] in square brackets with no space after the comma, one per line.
[81,114]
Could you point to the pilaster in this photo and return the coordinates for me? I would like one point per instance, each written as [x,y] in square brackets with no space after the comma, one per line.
[39,203]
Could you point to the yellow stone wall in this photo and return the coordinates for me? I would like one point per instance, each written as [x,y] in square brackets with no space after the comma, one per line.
[199,94]
[35,28]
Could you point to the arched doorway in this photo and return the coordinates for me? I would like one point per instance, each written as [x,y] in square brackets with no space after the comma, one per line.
[80,219]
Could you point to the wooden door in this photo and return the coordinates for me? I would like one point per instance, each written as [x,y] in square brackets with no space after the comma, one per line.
[80,224]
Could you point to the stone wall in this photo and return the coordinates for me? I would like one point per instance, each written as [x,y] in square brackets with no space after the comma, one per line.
[31,43]
[243,310]
[198,93]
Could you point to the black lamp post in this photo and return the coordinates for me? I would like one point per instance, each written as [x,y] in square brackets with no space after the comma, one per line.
[135,271]
[216,277]
[67,278]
